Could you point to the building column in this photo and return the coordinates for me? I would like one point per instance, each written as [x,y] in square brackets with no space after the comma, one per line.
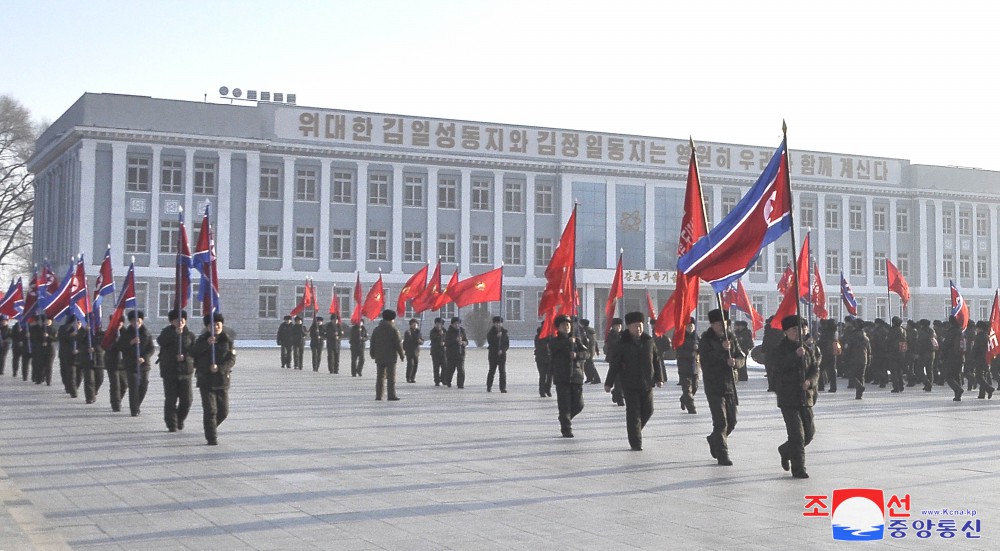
[252,200]
[992,263]
[893,253]
[324,216]
[611,224]
[819,251]
[498,235]
[869,255]
[650,227]
[155,177]
[88,182]
[465,226]
[119,159]
[361,220]
[939,238]
[974,245]
[288,214]
[224,207]
[922,208]
[189,185]
[396,235]
[529,217]
[432,215]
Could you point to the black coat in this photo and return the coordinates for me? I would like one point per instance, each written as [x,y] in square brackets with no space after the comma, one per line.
[497,341]
[412,340]
[225,359]
[317,334]
[688,361]
[635,362]
[386,344]
[128,350]
[791,371]
[171,345]
[719,378]
[568,354]
[358,337]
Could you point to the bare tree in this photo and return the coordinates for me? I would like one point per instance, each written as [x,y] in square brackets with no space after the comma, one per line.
[17,192]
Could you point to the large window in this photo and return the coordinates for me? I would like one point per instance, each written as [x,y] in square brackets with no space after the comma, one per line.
[857,263]
[340,244]
[305,184]
[378,245]
[343,188]
[413,246]
[832,216]
[305,242]
[164,299]
[480,194]
[728,204]
[413,190]
[902,220]
[965,223]
[512,250]
[172,176]
[780,261]
[832,262]
[903,263]
[857,217]
[447,192]
[267,242]
[807,214]
[270,182]
[948,265]
[982,224]
[448,247]
[543,251]
[964,266]
[137,174]
[543,199]
[514,305]
[879,259]
[480,249]
[982,269]
[136,237]
[513,200]
[267,301]
[378,188]
[879,216]
[948,222]
[170,232]
[204,177]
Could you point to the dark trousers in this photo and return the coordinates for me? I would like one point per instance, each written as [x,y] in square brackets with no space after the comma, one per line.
[215,409]
[286,356]
[411,368]
[41,368]
[498,361]
[689,387]
[20,360]
[953,377]
[298,351]
[177,398]
[92,381]
[138,384]
[638,410]
[385,378]
[800,428]
[67,372]
[454,368]
[570,399]
[333,357]
[357,361]
[830,370]
[440,363]
[896,366]
[544,379]
[985,380]
[3,356]
[590,371]
[723,408]
[118,385]
[923,370]
[317,356]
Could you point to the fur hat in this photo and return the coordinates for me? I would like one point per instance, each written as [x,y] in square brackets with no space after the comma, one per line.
[388,315]
[497,319]
[562,319]
[717,315]
[789,322]
[634,317]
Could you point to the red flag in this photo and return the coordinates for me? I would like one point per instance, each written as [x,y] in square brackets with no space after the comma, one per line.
[684,300]
[334,303]
[375,301]
[306,302]
[552,295]
[485,287]
[743,304]
[412,289]
[125,300]
[616,292]
[818,295]
[425,300]
[356,315]
[315,296]
[650,306]
[182,268]
[565,253]
[443,297]
[993,344]
[206,262]
[548,325]
[788,304]
[786,278]
[896,282]
[959,308]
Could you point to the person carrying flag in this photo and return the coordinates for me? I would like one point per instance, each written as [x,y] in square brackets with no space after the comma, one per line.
[176,368]
[978,360]
[43,340]
[498,341]
[317,336]
[334,334]
[689,366]
[66,334]
[635,362]
[136,346]
[386,346]
[358,338]
[796,363]
[455,342]
[721,357]
[90,360]
[298,340]
[439,357]
[19,350]
[412,340]
[953,356]
[567,356]
[926,349]
[214,355]
[4,343]
[117,377]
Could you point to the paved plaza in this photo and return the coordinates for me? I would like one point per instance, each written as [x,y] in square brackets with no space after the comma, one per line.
[311,461]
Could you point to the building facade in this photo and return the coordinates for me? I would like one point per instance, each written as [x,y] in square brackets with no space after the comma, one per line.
[300,192]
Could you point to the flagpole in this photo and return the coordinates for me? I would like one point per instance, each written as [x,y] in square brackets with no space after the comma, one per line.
[791,214]
[90,326]
[503,301]
[809,276]
[888,297]
[138,350]
[178,284]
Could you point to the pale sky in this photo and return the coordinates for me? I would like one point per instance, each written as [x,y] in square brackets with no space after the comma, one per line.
[910,80]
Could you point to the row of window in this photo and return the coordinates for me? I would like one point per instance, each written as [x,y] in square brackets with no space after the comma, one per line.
[137,177]
[856,265]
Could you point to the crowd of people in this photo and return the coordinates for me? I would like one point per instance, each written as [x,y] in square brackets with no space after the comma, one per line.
[127,359]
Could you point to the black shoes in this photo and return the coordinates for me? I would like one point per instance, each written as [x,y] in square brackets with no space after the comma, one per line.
[567,433]
[213,442]
[725,462]
[800,474]
[784,459]
[393,398]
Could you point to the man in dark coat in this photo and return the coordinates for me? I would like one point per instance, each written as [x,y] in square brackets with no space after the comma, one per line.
[334,334]
[796,362]
[688,366]
[358,338]
[497,343]
[455,342]
[829,345]
[67,354]
[857,356]
[978,359]
[19,349]
[412,340]
[214,355]
[386,346]
[771,339]
[896,346]
[42,340]
[636,361]
[543,362]
[589,338]
[721,357]
[286,341]
[91,361]
[926,349]
[317,336]
[176,368]
[953,357]
[610,342]
[137,347]
[439,357]
[4,342]
[568,355]
[741,330]
[117,377]
[298,339]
